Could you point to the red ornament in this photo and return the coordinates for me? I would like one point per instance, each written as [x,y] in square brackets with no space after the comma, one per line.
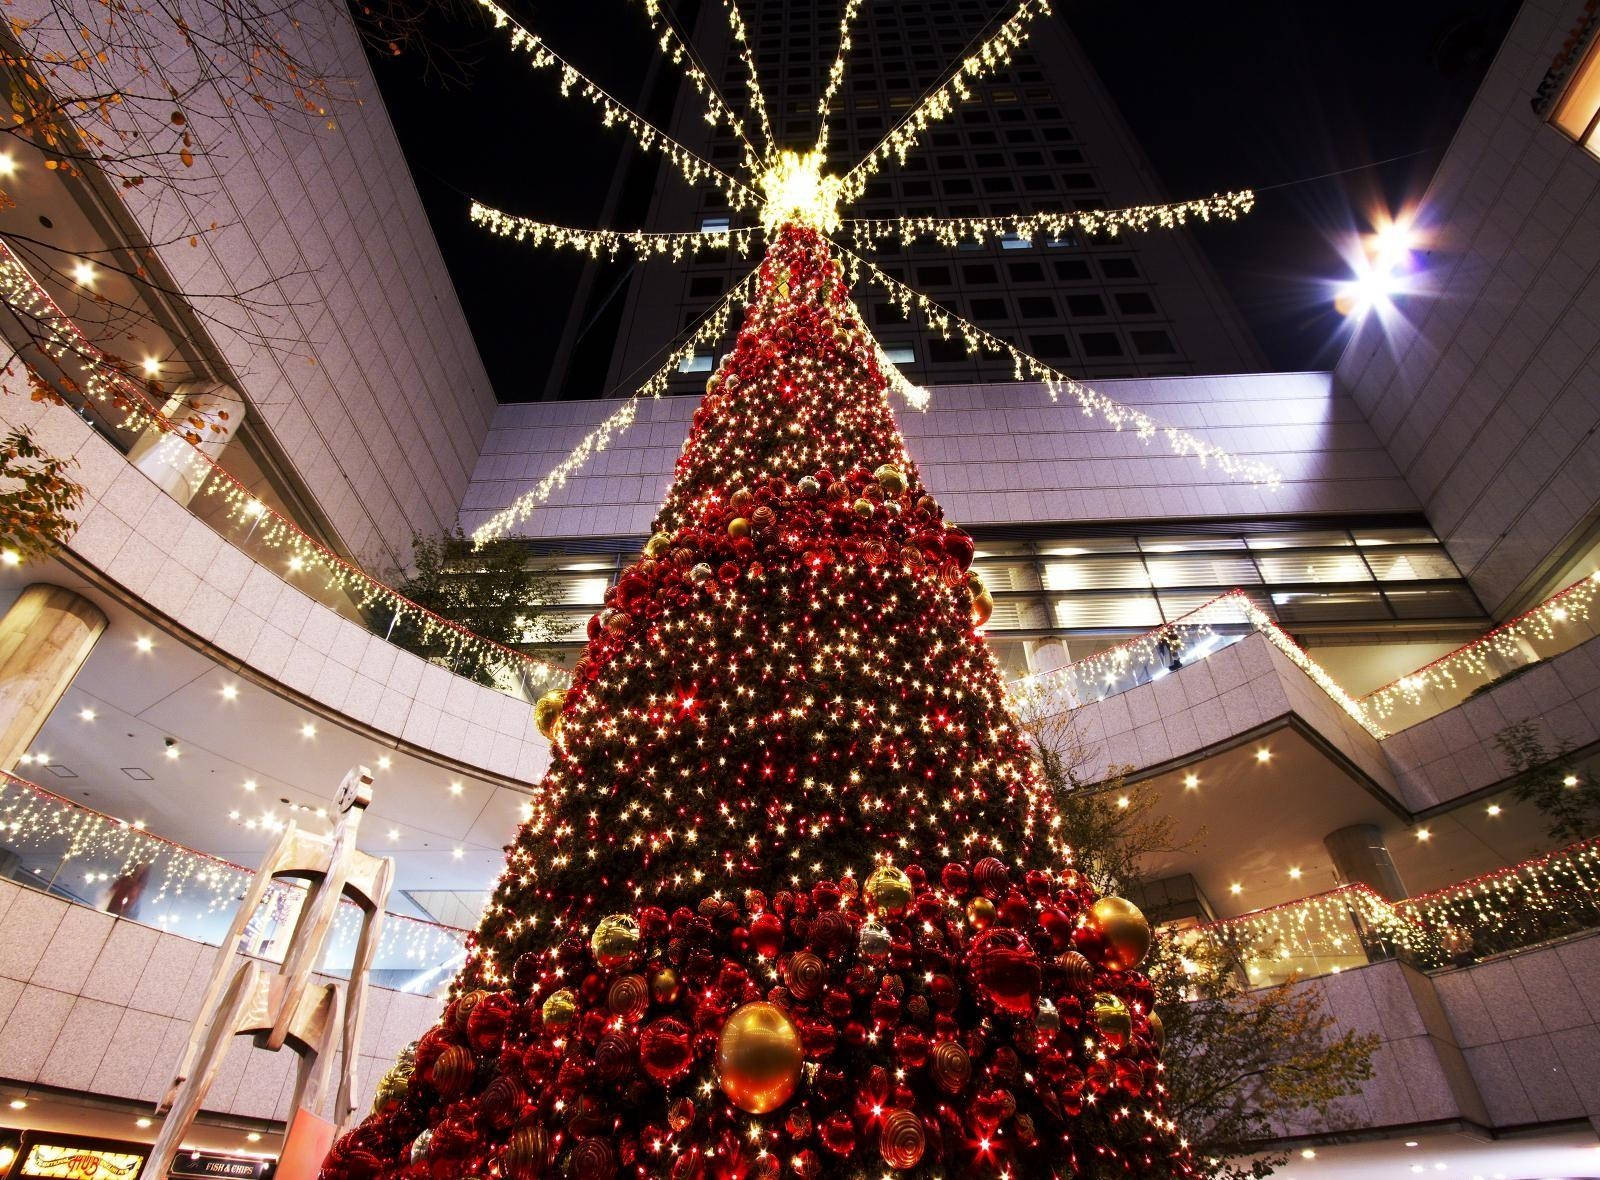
[664,1049]
[1006,971]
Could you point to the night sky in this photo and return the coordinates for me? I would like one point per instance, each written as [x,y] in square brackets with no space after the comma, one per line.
[1266,95]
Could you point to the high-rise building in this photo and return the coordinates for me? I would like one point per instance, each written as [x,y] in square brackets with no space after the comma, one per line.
[1045,135]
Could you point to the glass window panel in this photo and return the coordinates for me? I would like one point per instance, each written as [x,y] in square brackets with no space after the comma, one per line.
[1081,545]
[1419,536]
[585,589]
[1313,606]
[1302,540]
[1108,610]
[573,627]
[1416,565]
[1177,603]
[1096,573]
[1180,544]
[1313,567]
[1203,569]
[1579,108]
[1432,602]
[1010,575]
[1018,614]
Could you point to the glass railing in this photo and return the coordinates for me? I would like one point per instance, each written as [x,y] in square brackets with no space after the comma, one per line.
[89,858]
[1556,625]
[1538,901]
[1203,632]
[119,407]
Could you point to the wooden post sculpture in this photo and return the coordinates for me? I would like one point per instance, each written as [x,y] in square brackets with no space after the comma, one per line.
[248,998]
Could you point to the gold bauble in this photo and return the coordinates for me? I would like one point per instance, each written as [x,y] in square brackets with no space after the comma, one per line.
[759,1057]
[980,912]
[738,527]
[1158,1031]
[864,507]
[392,1086]
[664,985]
[1112,1017]
[982,608]
[1124,932]
[657,545]
[891,479]
[547,711]
[615,939]
[559,1008]
[888,889]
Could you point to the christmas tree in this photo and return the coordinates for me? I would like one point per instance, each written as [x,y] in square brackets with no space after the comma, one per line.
[789,902]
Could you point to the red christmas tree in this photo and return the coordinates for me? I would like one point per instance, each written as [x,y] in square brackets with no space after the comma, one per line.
[789,903]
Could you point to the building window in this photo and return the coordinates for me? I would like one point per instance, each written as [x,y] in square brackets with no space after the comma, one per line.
[988,309]
[1152,342]
[703,286]
[1099,344]
[979,273]
[699,362]
[713,224]
[1050,345]
[1135,303]
[900,354]
[1037,307]
[1578,112]
[933,276]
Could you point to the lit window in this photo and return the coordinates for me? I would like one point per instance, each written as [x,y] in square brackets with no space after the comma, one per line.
[900,355]
[699,362]
[1015,242]
[714,225]
[1578,112]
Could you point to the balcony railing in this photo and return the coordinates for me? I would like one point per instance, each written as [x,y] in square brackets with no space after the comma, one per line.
[93,859]
[1203,632]
[1537,901]
[105,395]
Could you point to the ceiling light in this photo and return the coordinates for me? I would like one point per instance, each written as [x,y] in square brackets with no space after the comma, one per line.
[249,784]
[143,1123]
[1263,755]
[139,823]
[383,762]
[1294,873]
[308,730]
[254,1136]
[457,853]
[1191,780]
[144,643]
[230,692]
[172,753]
[1236,888]
[1424,834]
[1411,1142]
[1494,809]
[394,833]
[42,759]
[152,367]
[18,1104]
[234,814]
[83,273]
[322,813]
[86,714]
[296,564]
[455,788]
[10,557]
[1570,781]
[8,163]
[1307,1153]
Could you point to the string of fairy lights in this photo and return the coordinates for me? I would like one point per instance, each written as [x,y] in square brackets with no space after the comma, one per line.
[711,328]
[104,381]
[186,891]
[676,47]
[610,244]
[1512,644]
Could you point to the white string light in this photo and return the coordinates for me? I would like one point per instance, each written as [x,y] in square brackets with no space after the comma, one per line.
[1024,366]
[1052,226]
[678,52]
[835,77]
[710,329]
[613,113]
[992,55]
[611,243]
[741,41]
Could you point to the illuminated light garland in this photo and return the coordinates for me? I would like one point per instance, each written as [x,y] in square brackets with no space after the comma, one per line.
[1185,638]
[610,243]
[741,41]
[1052,226]
[711,328]
[613,113]
[103,380]
[33,817]
[835,78]
[1500,910]
[1472,664]
[975,339]
[992,55]
[677,51]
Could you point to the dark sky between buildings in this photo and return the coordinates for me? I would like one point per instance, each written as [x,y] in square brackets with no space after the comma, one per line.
[1265,94]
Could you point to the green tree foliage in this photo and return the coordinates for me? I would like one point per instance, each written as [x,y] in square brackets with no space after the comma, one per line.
[1241,1062]
[492,591]
[1568,798]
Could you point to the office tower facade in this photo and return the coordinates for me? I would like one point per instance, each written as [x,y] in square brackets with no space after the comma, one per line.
[1041,135]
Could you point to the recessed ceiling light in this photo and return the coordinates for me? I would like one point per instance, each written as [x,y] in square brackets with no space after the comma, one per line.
[172,753]
[144,643]
[86,714]
[1191,780]
[1411,1142]
[455,788]
[152,367]
[296,564]
[1570,781]
[143,1123]
[18,1104]
[230,692]
[83,272]
[457,853]
[249,784]
[1308,1153]
[394,833]
[383,762]
[10,557]
[1294,873]
[1122,802]
[322,813]
[1494,809]
[254,1136]
[1236,888]
[8,163]
[139,824]
[234,814]
[1263,755]
[308,730]
[1424,834]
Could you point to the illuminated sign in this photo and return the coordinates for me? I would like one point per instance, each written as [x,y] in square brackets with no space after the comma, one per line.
[200,1163]
[45,1156]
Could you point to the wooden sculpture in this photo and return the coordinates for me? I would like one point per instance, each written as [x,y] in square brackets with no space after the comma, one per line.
[245,997]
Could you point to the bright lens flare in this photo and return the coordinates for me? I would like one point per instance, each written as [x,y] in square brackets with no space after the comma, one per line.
[1382,269]
[797,191]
